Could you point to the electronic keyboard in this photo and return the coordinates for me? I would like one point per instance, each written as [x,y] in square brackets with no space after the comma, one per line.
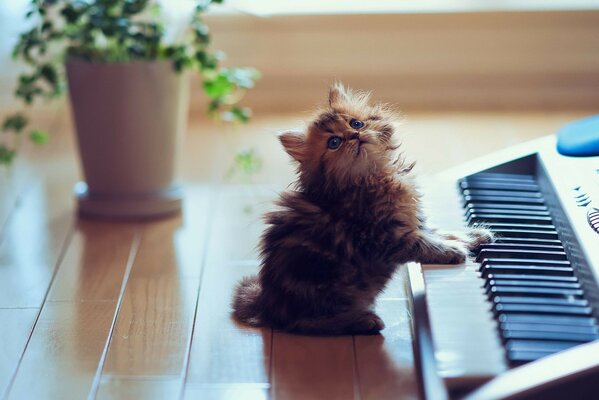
[520,318]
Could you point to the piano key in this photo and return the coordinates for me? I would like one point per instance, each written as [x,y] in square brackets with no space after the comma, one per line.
[540,345]
[474,199]
[529,283]
[547,319]
[501,175]
[525,254]
[518,357]
[504,211]
[533,291]
[541,309]
[533,277]
[523,326]
[501,193]
[505,206]
[518,246]
[485,184]
[493,226]
[455,353]
[547,335]
[510,218]
[527,241]
[541,300]
[525,233]
[524,262]
[525,269]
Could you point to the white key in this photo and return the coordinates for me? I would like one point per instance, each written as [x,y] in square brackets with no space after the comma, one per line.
[467,345]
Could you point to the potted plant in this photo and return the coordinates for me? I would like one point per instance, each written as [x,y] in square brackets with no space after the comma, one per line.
[127,80]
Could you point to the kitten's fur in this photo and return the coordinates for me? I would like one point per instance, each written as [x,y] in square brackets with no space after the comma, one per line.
[340,235]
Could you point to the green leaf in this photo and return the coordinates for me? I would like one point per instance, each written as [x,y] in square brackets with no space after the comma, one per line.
[38,137]
[219,86]
[15,122]
[248,161]
[48,72]
[238,114]
[6,155]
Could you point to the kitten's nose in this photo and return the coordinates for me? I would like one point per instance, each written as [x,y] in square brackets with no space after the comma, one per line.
[355,135]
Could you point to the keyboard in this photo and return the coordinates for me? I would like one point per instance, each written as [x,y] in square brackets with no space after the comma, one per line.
[527,299]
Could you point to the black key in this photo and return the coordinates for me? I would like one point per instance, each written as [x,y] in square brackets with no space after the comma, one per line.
[534,277]
[485,184]
[555,301]
[501,193]
[522,254]
[486,210]
[528,227]
[540,345]
[504,206]
[525,233]
[525,262]
[496,270]
[518,282]
[519,357]
[517,219]
[541,309]
[544,335]
[517,246]
[547,319]
[527,241]
[533,291]
[501,175]
[523,326]
[473,199]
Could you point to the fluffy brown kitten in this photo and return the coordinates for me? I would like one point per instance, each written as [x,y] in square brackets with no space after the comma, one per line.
[341,234]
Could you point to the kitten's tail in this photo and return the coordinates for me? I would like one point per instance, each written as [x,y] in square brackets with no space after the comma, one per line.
[246,307]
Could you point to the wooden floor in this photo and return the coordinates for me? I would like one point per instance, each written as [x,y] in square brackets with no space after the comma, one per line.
[107,310]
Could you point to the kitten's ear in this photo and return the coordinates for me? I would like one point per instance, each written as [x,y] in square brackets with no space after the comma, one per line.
[294,143]
[337,94]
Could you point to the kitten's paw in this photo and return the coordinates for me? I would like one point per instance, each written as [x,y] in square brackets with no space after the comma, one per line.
[479,236]
[368,324]
[455,253]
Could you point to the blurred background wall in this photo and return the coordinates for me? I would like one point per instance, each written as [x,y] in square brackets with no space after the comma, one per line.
[425,54]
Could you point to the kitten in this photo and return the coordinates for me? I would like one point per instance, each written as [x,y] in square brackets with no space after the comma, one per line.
[340,235]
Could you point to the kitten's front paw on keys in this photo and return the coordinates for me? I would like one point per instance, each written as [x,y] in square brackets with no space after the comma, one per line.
[479,236]
[455,253]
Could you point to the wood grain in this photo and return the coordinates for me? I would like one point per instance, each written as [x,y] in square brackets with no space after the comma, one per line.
[63,353]
[153,330]
[15,326]
[307,367]
[233,357]
[384,363]
[94,264]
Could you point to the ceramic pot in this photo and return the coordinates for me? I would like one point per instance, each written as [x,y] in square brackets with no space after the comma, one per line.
[130,119]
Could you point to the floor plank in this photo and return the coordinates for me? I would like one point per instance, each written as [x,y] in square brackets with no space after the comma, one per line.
[62,356]
[384,363]
[153,330]
[227,392]
[225,357]
[156,311]
[310,367]
[94,264]
[34,239]
[15,326]
[146,389]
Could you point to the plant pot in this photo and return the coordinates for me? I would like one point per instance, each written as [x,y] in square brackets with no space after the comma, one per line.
[130,119]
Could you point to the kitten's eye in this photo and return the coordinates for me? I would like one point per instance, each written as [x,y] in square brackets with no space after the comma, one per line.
[334,142]
[356,124]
